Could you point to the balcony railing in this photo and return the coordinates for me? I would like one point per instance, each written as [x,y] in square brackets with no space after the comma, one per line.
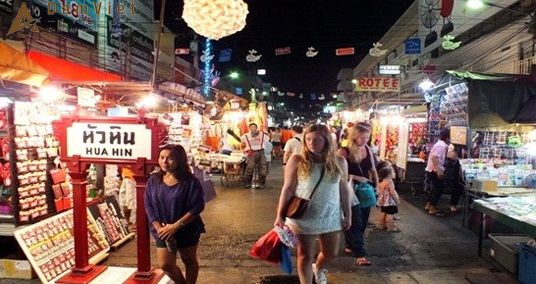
[514,67]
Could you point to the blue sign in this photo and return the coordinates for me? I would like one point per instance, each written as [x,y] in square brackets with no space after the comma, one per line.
[239,91]
[225,55]
[413,46]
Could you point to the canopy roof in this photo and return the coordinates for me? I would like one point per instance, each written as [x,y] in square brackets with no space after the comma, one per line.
[15,66]
[499,99]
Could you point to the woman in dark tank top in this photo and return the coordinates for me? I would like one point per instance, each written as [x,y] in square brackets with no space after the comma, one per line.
[361,169]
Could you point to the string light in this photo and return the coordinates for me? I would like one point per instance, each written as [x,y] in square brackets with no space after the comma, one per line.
[206,68]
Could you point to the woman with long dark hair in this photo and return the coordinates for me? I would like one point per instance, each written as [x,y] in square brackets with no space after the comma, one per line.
[173,202]
[329,207]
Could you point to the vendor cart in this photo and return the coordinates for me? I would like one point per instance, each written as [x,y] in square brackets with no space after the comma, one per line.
[231,167]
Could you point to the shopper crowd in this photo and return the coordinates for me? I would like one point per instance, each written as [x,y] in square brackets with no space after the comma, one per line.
[336,181]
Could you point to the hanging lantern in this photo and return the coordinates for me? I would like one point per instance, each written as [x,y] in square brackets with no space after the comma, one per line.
[311,52]
[215,19]
[253,56]
[449,44]
[376,51]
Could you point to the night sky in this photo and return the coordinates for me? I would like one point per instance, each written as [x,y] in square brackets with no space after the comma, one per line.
[323,24]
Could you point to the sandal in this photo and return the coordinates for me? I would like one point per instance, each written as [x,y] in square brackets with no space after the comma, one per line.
[437,213]
[363,262]
[394,230]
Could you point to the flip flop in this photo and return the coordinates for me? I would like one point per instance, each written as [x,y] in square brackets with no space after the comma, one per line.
[363,262]
[438,214]
[394,230]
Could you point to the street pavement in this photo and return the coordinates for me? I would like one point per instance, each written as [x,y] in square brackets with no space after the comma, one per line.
[428,249]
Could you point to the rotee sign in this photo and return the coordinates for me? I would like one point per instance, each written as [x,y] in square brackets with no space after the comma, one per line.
[378,84]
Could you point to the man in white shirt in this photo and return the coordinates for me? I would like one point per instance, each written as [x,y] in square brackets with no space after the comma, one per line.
[435,172]
[294,144]
[253,145]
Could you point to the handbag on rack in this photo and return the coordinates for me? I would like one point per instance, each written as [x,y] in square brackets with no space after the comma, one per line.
[297,205]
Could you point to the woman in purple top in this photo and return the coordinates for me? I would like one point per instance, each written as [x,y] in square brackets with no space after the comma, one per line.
[173,201]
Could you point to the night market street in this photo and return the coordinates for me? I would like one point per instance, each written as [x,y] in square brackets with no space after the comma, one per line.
[428,250]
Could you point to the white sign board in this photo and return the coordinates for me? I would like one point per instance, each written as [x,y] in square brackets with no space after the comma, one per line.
[109,141]
[389,69]
[86,97]
[403,141]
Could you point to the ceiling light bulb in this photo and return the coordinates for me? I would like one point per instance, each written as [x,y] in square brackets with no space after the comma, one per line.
[426,85]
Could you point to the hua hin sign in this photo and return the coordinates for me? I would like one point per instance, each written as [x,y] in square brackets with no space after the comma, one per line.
[378,84]
[109,141]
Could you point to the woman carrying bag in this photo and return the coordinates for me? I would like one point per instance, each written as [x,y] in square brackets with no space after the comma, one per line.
[319,177]
[361,170]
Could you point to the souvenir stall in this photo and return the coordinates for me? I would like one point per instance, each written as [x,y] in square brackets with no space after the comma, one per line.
[36,187]
[410,159]
[499,140]
[232,124]
[384,136]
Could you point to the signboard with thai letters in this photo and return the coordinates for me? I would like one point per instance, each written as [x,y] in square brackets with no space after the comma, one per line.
[109,141]
[378,84]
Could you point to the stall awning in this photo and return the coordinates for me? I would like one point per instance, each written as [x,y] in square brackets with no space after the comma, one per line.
[63,70]
[499,99]
[17,67]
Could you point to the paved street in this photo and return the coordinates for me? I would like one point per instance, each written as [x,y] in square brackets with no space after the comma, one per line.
[428,250]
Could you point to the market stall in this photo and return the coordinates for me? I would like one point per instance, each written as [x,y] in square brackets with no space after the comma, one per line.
[410,161]
[497,141]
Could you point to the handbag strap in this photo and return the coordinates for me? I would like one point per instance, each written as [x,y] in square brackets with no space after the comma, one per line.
[317,183]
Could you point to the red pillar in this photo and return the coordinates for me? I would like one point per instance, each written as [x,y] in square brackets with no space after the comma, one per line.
[82,272]
[145,273]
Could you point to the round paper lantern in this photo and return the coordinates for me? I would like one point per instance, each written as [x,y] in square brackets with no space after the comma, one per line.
[215,19]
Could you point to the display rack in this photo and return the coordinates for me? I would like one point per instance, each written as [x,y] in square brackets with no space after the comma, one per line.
[107,214]
[49,245]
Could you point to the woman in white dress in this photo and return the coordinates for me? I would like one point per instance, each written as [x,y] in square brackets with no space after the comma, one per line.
[329,208]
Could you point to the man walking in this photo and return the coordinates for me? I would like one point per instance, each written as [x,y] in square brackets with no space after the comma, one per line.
[294,144]
[253,144]
[435,172]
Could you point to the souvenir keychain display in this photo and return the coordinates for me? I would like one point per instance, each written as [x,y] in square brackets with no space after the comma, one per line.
[49,245]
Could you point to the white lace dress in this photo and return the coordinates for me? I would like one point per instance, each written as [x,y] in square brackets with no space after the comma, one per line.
[324,213]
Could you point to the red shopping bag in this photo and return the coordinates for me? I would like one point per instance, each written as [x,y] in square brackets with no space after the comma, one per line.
[268,248]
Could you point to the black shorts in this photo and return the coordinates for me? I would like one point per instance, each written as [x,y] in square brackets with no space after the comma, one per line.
[185,239]
[391,210]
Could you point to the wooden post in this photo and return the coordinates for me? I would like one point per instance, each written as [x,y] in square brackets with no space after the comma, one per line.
[82,272]
[145,273]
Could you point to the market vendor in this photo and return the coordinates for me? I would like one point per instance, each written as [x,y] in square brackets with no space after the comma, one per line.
[253,145]
[435,172]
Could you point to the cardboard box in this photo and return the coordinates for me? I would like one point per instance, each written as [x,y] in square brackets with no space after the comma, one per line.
[485,185]
[503,248]
[16,268]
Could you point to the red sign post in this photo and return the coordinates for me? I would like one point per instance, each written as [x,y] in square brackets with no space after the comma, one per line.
[103,140]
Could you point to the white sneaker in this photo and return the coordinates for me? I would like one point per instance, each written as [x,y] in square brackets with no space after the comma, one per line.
[320,275]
